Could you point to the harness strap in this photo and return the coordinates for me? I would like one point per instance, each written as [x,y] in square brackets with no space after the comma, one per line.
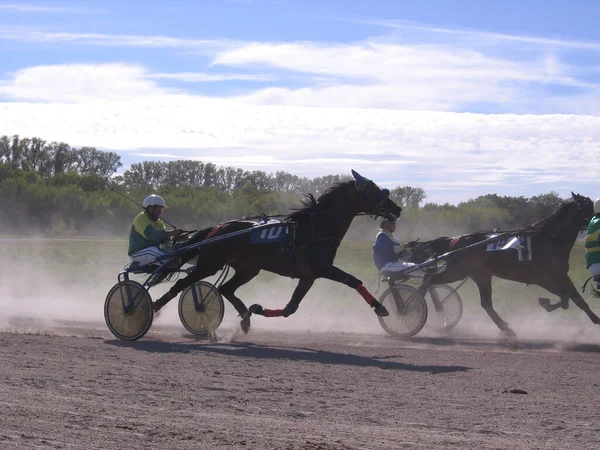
[214,231]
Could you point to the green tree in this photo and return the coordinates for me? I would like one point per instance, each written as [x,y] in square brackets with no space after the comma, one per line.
[407,196]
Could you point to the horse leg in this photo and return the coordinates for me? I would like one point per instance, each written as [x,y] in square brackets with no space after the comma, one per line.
[197,274]
[564,288]
[484,283]
[558,287]
[304,284]
[242,276]
[581,303]
[334,274]
[545,303]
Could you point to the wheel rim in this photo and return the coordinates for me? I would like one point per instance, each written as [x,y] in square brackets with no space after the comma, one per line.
[451,304]
[134,321]
[406,318]
[204,316]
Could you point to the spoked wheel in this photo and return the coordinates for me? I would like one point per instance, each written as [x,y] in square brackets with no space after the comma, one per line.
[201,308]
[407,308]
[445,307]
[128,310]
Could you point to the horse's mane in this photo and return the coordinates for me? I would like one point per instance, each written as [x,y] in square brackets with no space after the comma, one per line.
[310,203]
[541,224]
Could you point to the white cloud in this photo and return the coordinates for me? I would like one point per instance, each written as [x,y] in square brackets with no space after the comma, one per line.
[383,72]
[79,83]
[454,156]
[376,75]
[375,61]
[197,77]
[113,40]
[35,8]
[485,35]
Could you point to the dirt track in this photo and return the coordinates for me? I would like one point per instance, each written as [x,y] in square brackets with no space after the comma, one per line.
[80,388]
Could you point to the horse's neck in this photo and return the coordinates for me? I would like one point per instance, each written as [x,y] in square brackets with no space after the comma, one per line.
[338,215]
[569,235]
[340,221]
[565,226]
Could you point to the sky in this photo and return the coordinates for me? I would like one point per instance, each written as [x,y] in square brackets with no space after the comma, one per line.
[462,98]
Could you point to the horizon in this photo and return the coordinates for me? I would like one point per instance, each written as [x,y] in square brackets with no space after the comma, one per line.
[461,101]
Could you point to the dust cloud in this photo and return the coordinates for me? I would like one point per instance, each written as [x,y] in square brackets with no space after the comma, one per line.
[44,289]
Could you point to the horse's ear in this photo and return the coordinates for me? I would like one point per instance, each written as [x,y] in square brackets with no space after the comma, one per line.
[360,180]
[358,177]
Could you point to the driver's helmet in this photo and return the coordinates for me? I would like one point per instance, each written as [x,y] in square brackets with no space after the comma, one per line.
[154,200]
[597,206]
[385,224]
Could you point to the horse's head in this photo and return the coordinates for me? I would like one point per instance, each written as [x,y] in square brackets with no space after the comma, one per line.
[374,200]
[585,207]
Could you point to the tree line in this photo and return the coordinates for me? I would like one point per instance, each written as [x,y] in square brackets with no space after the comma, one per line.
[54,189]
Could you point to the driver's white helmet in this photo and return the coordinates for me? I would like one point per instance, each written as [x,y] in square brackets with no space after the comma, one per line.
[597,206]
[154,200]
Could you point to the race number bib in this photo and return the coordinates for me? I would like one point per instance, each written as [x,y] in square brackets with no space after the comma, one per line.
[504,244]
[269,235]
[522,244]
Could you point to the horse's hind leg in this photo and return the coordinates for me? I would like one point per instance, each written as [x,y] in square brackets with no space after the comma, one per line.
[242,276]
[484,283]
[304,285]
[197,274]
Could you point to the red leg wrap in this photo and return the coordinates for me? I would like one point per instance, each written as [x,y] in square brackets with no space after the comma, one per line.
[273,312]
[362,290]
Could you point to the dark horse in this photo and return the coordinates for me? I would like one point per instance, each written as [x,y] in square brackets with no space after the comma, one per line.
[552,239]
[318,227]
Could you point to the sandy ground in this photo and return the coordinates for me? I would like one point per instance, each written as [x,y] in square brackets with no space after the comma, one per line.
[73,386]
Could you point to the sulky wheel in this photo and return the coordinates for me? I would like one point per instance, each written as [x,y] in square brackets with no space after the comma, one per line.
[445,307]
[201,308]
[407,308]
[128,310]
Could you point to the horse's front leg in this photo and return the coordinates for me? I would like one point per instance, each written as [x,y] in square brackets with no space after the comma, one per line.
[334,274]
[304,284]
[562,303]
[564,288]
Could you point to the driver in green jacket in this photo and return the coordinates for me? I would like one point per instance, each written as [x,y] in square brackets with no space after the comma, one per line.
[592,245]
[148,232]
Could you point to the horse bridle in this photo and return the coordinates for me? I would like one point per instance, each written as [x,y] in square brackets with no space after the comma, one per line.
[379,199]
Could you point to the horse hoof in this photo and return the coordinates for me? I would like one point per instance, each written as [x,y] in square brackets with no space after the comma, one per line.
[381,311]
[508,333]
[156,309]
[544,302]
[257,309]
[245,322]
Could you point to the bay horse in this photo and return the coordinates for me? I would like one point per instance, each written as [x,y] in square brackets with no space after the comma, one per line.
[551,241]
[318,228]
